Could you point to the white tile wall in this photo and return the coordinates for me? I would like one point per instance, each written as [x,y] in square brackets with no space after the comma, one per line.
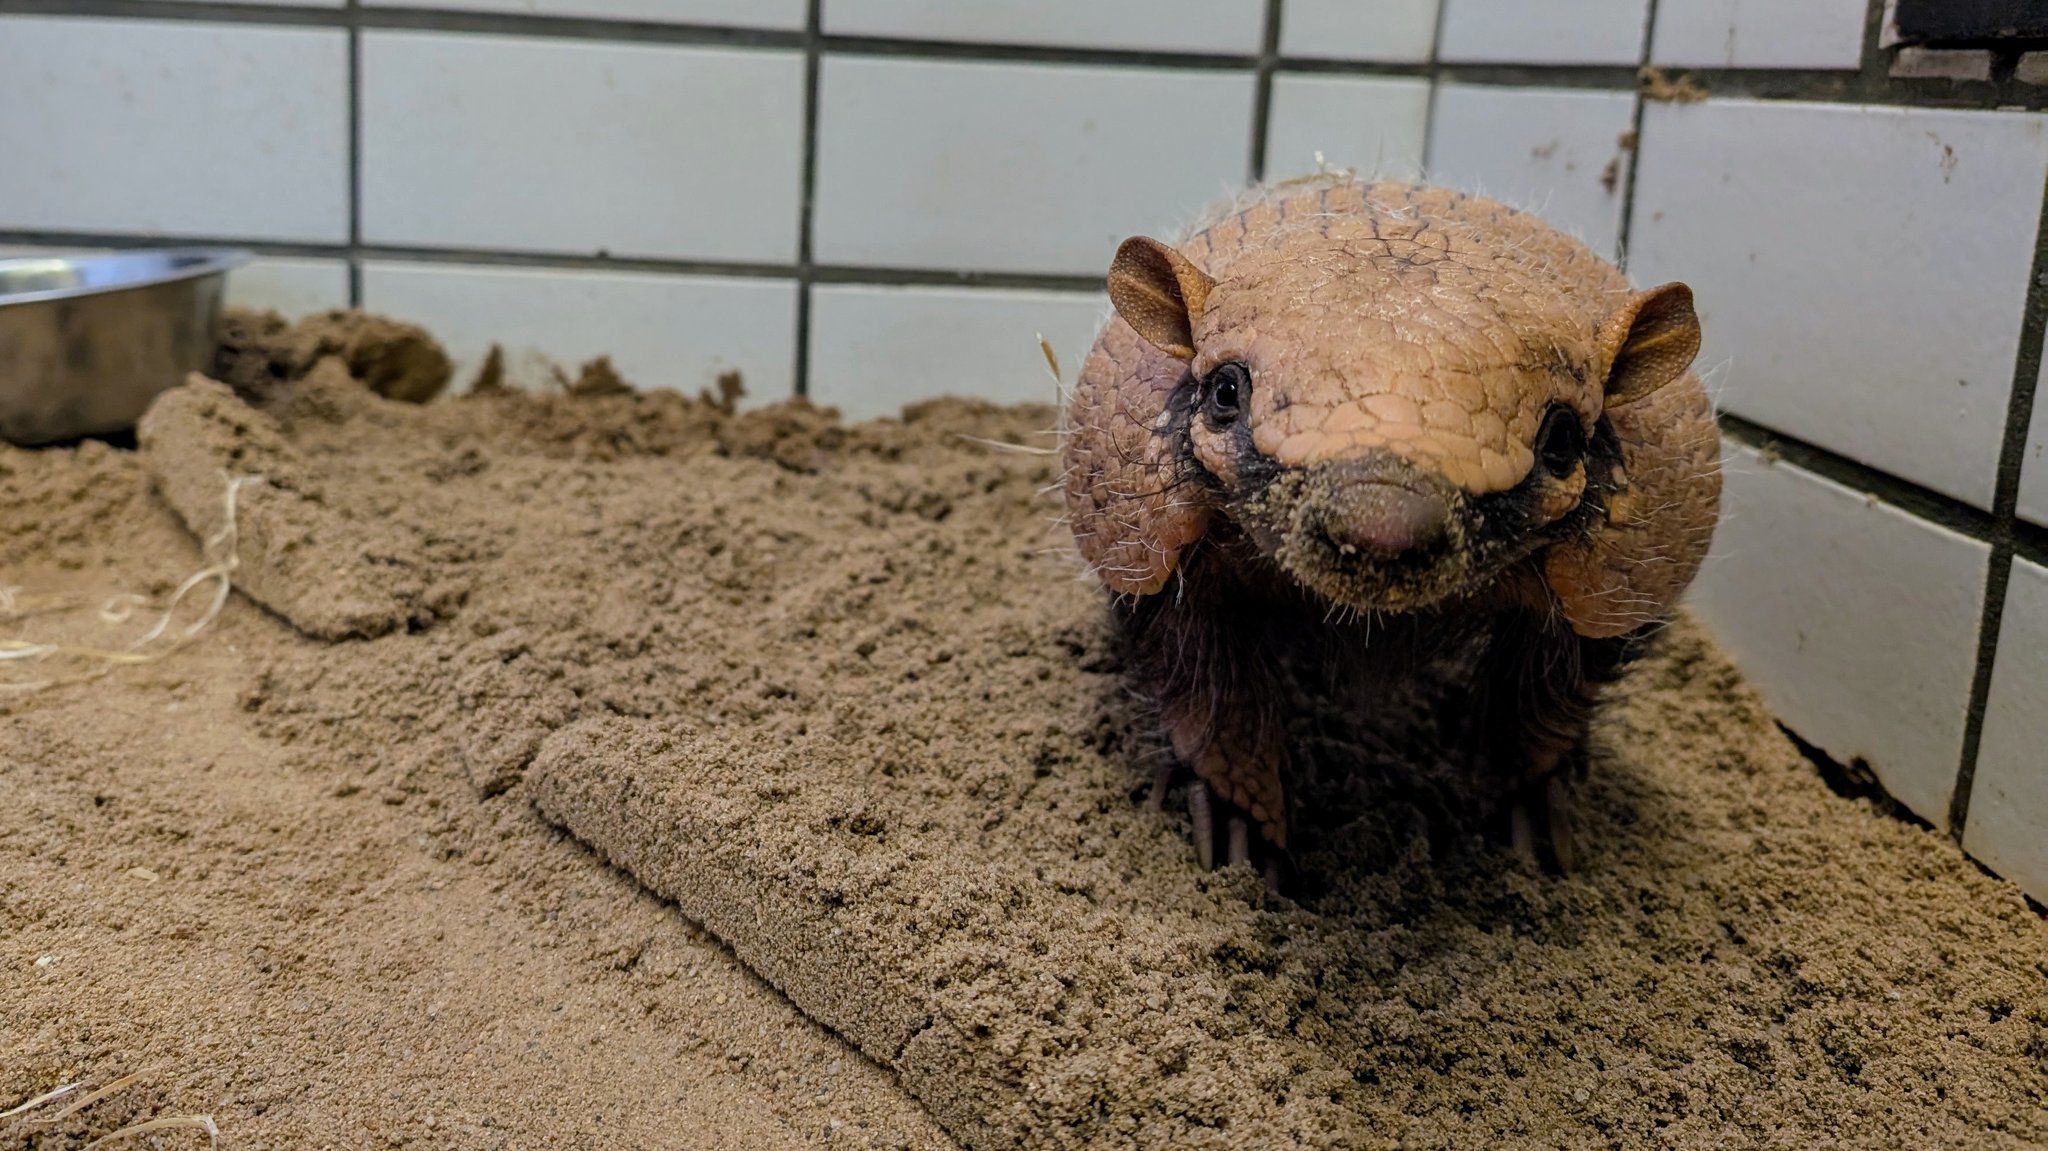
[1375,124]
[1864,268]
[1390,31]
[289,285]
[1856,620]
[1017,167]
[1557,152]
[173,128]
[786,15]
[660,331]
[2006,828]
[866,341]
[1543,31]
[1221,26]
[2034,464]
[580,146]
[1758,33]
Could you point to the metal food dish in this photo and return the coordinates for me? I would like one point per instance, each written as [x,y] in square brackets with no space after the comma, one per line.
[87,341]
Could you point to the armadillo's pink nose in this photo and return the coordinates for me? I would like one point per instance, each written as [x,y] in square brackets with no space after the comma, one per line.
[1379,521]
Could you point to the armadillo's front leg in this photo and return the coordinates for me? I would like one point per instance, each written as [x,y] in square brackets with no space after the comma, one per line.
[1539,683]
[1213,683]
[1237,760]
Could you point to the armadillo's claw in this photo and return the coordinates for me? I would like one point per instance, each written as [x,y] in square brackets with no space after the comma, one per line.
[1542,832]
[1240,841]
[1563,825]
[1204,821]
[1162,780]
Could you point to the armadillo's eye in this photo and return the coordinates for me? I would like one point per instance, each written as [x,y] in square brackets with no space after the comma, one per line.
[1560,442]
[1227,387]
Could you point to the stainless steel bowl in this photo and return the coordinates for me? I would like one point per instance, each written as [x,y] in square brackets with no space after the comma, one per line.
[87,341]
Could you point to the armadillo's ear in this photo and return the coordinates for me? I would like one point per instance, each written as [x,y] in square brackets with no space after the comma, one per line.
[1159,293]
[1628,569]
[1648,342]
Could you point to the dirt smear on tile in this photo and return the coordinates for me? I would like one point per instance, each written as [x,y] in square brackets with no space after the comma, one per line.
[835,698]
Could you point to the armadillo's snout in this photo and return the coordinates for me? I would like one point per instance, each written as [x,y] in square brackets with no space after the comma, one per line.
[1383,521]
[1375,511]
[1374,532]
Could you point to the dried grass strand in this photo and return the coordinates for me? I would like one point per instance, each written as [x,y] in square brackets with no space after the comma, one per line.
[166,1123]
[50,1096]
[220,552]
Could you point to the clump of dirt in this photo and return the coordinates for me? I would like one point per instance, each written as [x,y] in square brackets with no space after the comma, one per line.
[261,352]
[837,692]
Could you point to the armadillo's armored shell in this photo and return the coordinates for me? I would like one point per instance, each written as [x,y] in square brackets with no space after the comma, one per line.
[1128,493]
[1631,568]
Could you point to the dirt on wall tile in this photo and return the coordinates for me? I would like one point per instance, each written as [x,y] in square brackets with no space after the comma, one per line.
[837,694]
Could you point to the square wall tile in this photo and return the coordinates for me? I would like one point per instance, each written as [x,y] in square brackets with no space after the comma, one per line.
[1856,620]
[2007,825]
[1388,31]
[1758,34]
[1017,167]
[289,285]
[1234,27]
[130,125]
[2034,464]
[1543,31]
[1374,124]
[785,15]
[875,349]
[660,331]
[581,147]
[1559,153]
[1862,270]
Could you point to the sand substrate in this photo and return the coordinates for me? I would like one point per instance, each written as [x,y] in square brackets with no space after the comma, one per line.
[621,771]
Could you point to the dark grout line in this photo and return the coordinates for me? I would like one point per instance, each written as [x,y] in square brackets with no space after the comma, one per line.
[1262,96]
[807,197]
[547,261]
[1907,496]
[2004,506]
[355,156]
[1634,149]
[1433,70]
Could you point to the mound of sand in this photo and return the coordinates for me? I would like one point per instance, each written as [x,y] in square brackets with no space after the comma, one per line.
[834,693]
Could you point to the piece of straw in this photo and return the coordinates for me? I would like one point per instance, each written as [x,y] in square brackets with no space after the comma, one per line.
[53,1094]
[167,1123]
[219,550]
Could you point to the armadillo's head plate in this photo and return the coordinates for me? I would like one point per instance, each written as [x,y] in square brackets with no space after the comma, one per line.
[1402,400]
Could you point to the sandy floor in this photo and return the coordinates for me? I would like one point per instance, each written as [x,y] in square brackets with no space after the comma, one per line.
[323,874]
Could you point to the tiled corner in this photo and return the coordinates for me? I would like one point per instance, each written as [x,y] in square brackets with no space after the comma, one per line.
[2034,464]
[1758,34]
[783,15]
[1560,153]
[1543,31]
[660,331]
[1388,31]
[289,285]
[1857,620]
[1861,269]
[1017,167]
[2007,826]
[874,349]
[174,128]
[580,147]
[1234,27]
[1374,124]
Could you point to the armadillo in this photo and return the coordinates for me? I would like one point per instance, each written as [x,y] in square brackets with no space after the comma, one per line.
[1348,415]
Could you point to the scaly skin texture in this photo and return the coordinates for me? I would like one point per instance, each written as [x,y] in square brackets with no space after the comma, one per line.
[1407,357]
